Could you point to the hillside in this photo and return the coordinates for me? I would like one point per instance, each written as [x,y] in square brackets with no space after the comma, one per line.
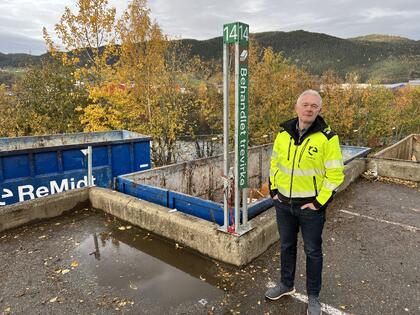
[382,38]
[379,57]
[383,58]
[18,60]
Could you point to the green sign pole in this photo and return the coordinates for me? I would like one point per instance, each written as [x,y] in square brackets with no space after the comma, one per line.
[238,34]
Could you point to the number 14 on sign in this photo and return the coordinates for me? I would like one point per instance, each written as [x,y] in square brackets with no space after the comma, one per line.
[235,32]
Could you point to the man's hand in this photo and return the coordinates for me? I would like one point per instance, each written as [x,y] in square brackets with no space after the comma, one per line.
[275,197]
[309,205]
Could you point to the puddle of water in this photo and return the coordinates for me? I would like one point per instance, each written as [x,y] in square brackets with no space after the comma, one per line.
[138,265]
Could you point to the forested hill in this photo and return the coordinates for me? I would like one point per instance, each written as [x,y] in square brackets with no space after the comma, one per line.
[379,57]
[18,60]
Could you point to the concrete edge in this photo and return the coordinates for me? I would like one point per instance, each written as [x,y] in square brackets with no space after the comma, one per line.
[22,213]
[195,233]
[402,169]
[352,171]
[198,234]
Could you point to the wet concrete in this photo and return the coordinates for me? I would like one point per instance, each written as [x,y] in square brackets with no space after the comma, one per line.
[55,267]
[141,266]
[370,267]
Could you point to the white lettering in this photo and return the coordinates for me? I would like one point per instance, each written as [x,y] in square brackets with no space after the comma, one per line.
[26,192]
[29,192]
[55,189]
[42,191]
[243,125]
[72,184]
[82,182]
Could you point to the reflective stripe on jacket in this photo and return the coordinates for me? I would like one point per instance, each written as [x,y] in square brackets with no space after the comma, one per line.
[309,167]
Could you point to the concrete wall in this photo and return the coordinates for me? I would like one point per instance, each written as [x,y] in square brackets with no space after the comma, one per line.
[190,231]
[407,170]
[416,147]
[37,142]
[199,234]
[202,177]
[404,149]
[42,208]
[401,160]
[352,171]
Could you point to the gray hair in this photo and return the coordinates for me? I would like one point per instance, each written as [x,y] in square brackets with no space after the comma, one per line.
[310,92]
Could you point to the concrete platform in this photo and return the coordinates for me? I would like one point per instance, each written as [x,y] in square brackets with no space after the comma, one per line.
[370,265]
[198,234]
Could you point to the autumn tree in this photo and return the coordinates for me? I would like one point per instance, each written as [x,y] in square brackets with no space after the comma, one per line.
[136,79]
[206,116]
[42,101]
[376,115]
[10,117]
[48,96]
[88,38]
[407,112]
[144,88]
[360,114]
[341,104]
[274,85]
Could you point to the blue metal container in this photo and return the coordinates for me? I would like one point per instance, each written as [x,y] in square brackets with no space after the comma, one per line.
[206,209]
[32,167]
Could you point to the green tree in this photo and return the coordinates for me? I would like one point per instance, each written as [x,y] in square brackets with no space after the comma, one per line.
[48,96]
[10,118]
[376,115]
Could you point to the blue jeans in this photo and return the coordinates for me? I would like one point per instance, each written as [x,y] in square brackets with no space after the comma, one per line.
[311,222]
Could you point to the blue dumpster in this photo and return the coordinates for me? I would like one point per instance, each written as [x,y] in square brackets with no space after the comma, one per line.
[139,185]
[32,167]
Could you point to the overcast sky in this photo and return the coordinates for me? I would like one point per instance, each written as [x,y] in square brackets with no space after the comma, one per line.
[21,21]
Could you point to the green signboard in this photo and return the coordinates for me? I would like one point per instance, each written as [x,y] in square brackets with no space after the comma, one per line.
[235,32]
[238,33]
[242,118]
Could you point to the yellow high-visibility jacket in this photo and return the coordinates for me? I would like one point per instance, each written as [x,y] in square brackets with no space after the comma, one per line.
[308,168]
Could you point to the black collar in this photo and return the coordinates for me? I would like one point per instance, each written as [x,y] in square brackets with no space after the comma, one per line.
[290,126]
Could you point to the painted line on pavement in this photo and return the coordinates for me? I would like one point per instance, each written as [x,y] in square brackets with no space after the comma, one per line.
[328,309]
[405,226]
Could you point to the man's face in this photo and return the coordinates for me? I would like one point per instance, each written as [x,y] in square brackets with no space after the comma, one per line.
[308,108]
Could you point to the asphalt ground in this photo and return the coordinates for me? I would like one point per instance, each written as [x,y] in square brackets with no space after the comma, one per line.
[371,265]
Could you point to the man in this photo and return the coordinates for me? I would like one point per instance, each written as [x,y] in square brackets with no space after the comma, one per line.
[306,169]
